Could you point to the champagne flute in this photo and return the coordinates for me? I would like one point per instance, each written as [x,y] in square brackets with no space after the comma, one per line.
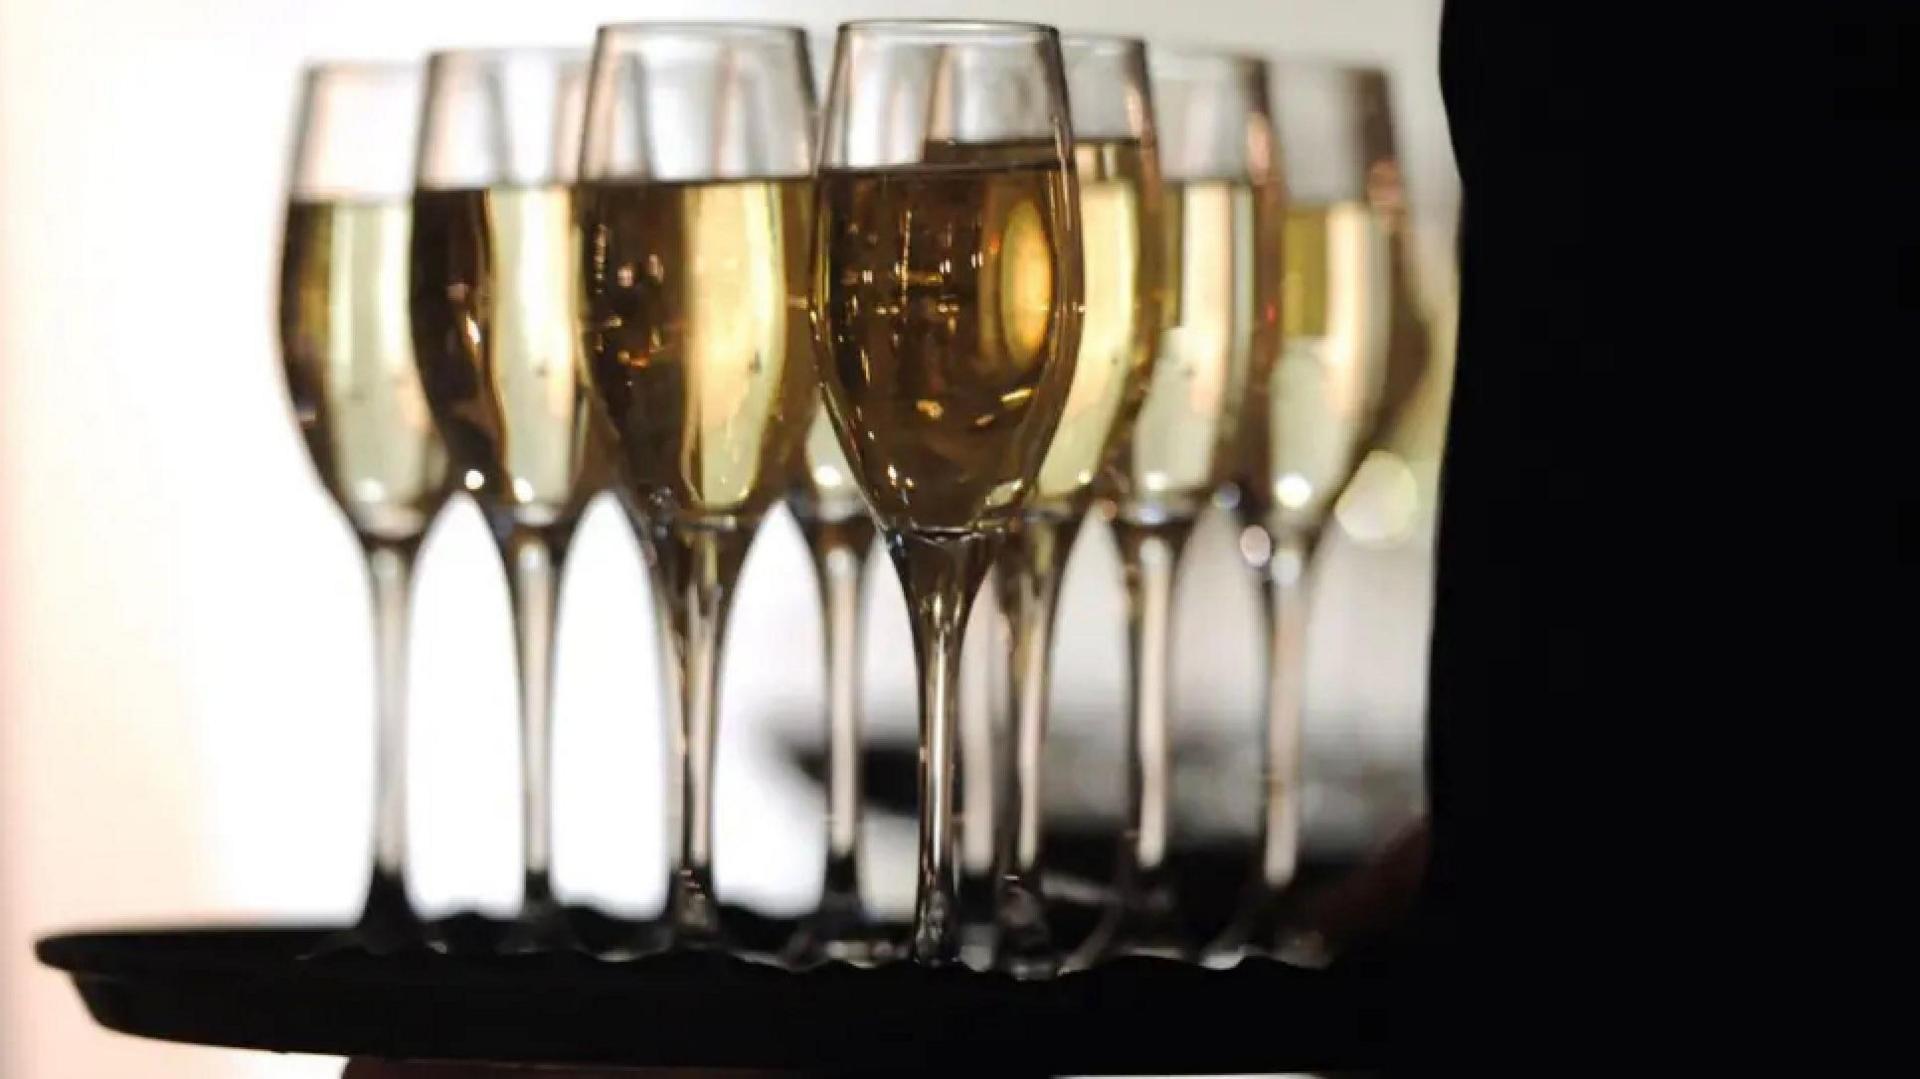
[356,394]
[692,208]
[496,338]
[946,297]
[1309,422]
[1122,231]
[1222,208]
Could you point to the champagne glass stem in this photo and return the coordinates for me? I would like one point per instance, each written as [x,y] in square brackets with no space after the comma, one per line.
[1287,597]
[698,565]
[940,572]
[534,559]
[840,553]
[1029,576]
[388,921]
[980,792]
[1262,924]
[1142,919]
[839,927]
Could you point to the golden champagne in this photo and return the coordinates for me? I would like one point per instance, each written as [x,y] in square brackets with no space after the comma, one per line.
[348,352]
[1180,445]
[498,344]
[695,325]
[1123,280]
[1320,399]
[947,349]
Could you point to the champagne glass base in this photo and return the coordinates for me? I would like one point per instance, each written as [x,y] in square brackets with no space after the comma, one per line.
[979,944]
[937,932]
[658,936]
[1144,924]
[643,940]
[843,934]
[692,918]
[977,929]
[388,925]
[1272,925]
[542,926]
[1025,948]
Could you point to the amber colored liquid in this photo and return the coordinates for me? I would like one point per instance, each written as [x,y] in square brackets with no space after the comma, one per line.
[947,313]
[696,335]
[1182,442]
[496,332]
[1125,294]
[348,354]
[1319,403]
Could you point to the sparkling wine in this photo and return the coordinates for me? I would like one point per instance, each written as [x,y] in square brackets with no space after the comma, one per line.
[1317,406]
[348,352]
[496,332]
[695,323]
[947,317]
[1181,444]
[1124,281]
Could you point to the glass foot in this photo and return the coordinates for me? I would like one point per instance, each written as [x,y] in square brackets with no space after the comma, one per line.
[1025,948]
[1270,924]
[542,927]
[643,939]
[692,917]
[843,934]
[979,943]
[388,925]
[1142,923]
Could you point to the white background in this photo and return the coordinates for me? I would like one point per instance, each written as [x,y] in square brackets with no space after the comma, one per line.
[184,657]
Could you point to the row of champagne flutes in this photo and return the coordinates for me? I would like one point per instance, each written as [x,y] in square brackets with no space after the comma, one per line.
[1001,280]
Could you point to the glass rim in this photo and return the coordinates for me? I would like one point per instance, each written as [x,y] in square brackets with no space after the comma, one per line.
[360,67]
[694,28]
[959,29]
[1326,65]
[440,57]
[1094,39]
[1198,57]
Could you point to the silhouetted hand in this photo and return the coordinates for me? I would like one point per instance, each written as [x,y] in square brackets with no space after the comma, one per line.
[1370,903]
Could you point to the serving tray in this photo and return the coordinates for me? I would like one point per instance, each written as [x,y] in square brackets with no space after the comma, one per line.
[262,988]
